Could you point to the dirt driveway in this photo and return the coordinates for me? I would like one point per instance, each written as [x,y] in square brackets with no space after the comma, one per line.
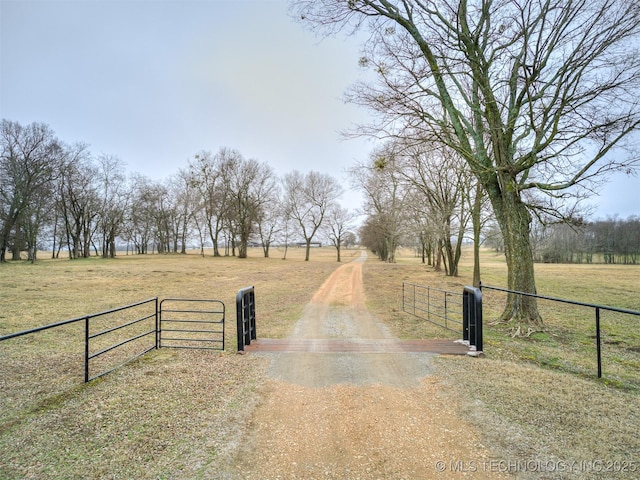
[354,415]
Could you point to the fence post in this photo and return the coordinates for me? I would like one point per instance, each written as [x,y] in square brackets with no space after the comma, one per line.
[598,342]
[472,317]
[465,316]
[86,350]
[245,317]
[157,325]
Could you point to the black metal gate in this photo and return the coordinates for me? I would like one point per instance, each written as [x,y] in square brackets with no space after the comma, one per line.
[189,323]
[246,316]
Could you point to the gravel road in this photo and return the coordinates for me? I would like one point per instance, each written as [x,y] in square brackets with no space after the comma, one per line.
[350,415]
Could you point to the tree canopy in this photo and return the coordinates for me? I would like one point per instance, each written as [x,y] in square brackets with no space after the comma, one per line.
[539,97]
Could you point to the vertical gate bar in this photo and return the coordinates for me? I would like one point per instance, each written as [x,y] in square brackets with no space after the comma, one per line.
[415,296]
[86,350]
[157,325]
[477,305]
[253,314]
[224,321]
[239,322]
[598,344]
[472,319]
[246,307]
[465,315]
[445,309]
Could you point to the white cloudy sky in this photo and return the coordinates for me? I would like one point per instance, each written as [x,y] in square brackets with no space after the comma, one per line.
[156,81]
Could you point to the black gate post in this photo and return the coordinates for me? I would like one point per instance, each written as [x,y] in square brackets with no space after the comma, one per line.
[472,317]
[245,317]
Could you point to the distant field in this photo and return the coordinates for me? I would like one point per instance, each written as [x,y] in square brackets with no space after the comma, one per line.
[174,413]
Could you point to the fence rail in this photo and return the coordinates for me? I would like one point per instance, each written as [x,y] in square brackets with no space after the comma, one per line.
[182,317]
[121,332]
[440,307]
[597,309]
[129,336]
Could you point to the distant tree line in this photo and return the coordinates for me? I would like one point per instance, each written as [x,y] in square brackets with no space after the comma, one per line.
[611,241]
[61,197]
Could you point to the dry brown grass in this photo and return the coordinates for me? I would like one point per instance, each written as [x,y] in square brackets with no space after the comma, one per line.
[178,414]
[568,342]
[538,399]
[173,413]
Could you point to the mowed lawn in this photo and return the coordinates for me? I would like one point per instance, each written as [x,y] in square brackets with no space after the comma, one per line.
[179,413]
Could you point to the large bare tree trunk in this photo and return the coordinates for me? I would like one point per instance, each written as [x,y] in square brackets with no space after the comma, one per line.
[515,221]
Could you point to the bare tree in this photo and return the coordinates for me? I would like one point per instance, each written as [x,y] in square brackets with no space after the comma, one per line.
[115,195]
[537,97]
[338,225]
[308,198]
[78,200]
[141,224]
[269,213]
[385,202]
[250,190]
[187,203]
[439,176]
[271,221]
[30,158]
[206,172]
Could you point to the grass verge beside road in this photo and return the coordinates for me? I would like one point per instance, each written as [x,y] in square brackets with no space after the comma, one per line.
[537,400]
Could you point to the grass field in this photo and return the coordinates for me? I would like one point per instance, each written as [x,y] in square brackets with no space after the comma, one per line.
[177,413]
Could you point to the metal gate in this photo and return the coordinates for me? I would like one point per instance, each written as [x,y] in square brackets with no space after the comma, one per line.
[246,316]
[189,323]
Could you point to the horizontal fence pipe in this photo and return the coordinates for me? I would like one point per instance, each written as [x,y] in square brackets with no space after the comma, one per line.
[102,374]
[124,342]
[564,300]
[124,307]
[192,321]
[190,331]
[199,347]
[70,321]
[124,325]
[193,340]
[165,310]
[42,328]
[193,300]
[598,308]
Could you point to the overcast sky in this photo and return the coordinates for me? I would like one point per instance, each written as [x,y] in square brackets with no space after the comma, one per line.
[154,82]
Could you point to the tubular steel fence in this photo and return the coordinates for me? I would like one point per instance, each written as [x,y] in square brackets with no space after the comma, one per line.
[118,336]
[440,307]
[457,312]
[597,310]
[190,323]
[133,335]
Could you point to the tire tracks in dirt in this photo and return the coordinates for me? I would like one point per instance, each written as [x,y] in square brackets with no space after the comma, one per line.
[354,415]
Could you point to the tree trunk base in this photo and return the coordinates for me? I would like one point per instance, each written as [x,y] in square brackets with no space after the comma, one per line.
[524,331]
[519,329]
